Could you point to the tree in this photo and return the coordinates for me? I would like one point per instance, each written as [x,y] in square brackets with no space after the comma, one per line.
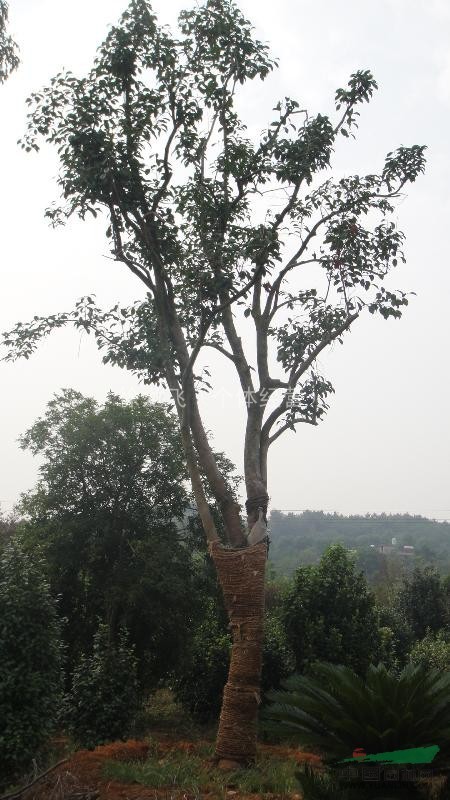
[329,614]
[108,516]
[396,634]
[422,600]
[30,661]
[9,59]
[151,140]
[8,527]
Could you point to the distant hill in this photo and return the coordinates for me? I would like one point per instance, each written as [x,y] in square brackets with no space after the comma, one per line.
[299,539]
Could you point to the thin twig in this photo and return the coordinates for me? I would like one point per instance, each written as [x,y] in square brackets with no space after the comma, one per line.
[20,792]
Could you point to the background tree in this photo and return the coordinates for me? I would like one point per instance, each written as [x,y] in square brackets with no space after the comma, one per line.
[30,661]
[151,139]
[397,637]
[330,615]
[422,600]
[8,527]
[299,539]
[9,59]
[109,518]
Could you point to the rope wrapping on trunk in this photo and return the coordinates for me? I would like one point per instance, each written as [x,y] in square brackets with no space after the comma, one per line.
[252,505]
[241,576]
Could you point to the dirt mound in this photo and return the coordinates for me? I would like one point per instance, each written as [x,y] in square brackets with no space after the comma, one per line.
[82,778]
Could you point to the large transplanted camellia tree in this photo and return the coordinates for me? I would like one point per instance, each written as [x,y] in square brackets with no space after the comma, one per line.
[219,226]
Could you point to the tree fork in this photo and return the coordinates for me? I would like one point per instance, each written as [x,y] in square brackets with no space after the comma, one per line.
[218,486]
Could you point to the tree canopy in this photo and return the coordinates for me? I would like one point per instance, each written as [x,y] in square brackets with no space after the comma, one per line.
[329,614]
[423,601]
[219,224]
[109,516]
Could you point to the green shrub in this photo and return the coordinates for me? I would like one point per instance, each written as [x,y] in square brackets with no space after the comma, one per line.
[329,614]
[30,661]
[433,651]
[278,658]
[422,600]
[396,636]
[335,710]
[199,684]
[104,699]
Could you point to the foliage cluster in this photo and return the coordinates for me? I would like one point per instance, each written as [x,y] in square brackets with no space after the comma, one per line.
[199,681]
[333,708]
[433,651]
[329,614]
[104,698]
[9,58]
[109,517]
[30,661]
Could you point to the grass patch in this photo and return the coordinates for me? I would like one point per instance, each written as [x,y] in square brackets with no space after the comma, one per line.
[190,773]
[176,769]
[161,712]
[268,775]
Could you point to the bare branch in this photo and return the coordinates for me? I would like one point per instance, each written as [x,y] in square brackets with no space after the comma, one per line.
[167,168]
[298,370]
[220,349]
[303,366]
[118,245]
[291,426]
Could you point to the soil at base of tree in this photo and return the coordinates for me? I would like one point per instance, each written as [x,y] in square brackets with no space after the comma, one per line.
[81,777]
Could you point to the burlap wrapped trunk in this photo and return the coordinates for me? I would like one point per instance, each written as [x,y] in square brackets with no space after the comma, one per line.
[241,575]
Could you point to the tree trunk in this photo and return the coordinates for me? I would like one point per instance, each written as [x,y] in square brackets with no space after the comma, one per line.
[241,575]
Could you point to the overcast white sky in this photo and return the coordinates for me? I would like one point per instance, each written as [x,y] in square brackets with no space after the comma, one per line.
[385,444]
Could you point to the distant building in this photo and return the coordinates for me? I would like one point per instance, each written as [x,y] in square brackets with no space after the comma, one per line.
[388,549]
[385,548]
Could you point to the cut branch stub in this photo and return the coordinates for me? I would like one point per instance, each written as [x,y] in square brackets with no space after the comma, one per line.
[241,576]
[253,504]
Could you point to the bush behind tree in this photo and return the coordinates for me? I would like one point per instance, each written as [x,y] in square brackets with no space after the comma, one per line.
[104,699]
[199,684]
[278,657]
[329,614]
[433,651]
[30,660]
[422,599]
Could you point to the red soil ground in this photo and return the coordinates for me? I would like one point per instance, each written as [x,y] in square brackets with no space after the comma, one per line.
[82,773]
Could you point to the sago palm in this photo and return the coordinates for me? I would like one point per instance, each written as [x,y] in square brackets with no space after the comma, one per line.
[336,711]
